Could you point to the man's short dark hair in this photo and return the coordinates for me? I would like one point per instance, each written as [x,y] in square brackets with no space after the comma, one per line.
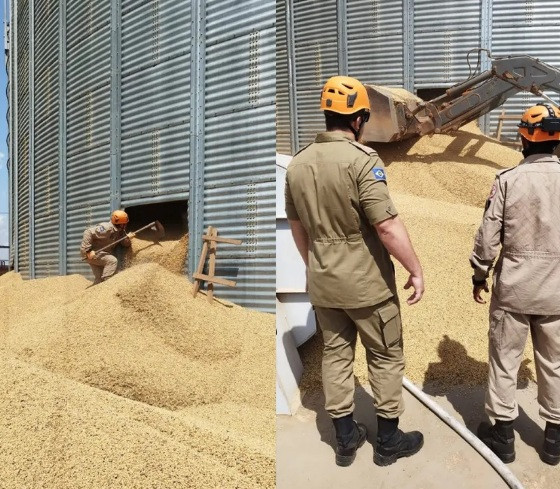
[334,120]
[542,147]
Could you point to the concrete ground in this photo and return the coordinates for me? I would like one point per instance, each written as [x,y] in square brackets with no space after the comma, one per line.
[305,447]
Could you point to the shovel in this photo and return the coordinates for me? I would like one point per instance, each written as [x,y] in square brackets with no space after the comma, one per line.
[156,225]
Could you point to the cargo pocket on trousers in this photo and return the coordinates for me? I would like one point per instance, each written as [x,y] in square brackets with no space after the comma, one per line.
[391,329]
[496,330]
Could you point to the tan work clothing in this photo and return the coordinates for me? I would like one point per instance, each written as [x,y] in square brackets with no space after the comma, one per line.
[522,217]
[337,189]
[508,335]
[104,265]
[381,334]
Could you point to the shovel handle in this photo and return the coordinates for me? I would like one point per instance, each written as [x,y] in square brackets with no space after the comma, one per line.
[124,237]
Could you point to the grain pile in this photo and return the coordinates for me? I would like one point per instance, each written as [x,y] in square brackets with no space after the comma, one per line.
[440,185]
[169,253]
[133,383]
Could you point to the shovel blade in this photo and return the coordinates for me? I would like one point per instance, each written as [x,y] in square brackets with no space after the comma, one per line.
[159,229]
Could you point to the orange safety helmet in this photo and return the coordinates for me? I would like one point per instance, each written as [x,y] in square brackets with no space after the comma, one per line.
[119,217]
[344,95]
[540,123]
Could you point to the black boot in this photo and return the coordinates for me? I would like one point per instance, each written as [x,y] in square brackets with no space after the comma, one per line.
[349,437]
[499,438]
[551,446]
[393,444]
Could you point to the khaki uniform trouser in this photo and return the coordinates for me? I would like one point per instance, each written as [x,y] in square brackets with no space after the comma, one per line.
[103,267]
[507,338]
[380,332]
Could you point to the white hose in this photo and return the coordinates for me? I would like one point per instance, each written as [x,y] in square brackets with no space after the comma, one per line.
[469,437]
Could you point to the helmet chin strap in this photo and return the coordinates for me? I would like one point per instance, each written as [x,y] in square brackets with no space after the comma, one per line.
[357,133]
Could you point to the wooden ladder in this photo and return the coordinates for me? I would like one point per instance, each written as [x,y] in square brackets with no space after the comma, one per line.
[210,245]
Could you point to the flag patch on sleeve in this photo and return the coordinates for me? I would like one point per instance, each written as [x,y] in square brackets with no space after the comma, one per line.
[379,174]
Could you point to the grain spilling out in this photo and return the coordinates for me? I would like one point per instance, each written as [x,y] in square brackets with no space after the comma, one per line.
[133,382]
[439,185]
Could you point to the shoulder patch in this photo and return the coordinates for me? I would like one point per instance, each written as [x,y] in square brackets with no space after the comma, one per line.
[363,147]
[100,228]
[379,174]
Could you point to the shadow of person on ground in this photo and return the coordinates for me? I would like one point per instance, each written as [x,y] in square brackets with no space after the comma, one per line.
[313,399]
[463,380]
[364,412]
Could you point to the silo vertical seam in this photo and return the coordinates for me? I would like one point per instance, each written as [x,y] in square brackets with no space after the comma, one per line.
[10,166]
[15,164]
[63,233]
[196,193]
[485,43]
[115,104]
[342,37]
[290,49]
[408,44]
[31,138]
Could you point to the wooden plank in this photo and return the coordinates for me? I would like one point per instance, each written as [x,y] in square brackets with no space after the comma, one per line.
[212,265]
[500,124]
[200,267]
[216,280]
[221,240]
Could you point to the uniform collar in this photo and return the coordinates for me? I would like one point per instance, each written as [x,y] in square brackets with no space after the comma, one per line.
[541,158]
[330,136]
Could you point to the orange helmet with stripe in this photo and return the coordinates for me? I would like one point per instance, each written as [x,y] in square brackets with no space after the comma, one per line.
[540,123]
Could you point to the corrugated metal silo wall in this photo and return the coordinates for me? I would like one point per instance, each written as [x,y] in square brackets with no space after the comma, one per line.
[415,44]
[283,123]
[88,121]
[442,37]
[239,180]
[362,38]
[524,28]
[22,178]
[104,103]
[315,60]
[156,57]
[46,167]
[375,41]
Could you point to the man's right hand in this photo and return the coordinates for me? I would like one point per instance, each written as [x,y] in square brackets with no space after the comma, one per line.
[90,255]
[417,283]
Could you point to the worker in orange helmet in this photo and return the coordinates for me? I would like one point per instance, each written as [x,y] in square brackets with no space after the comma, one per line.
[521,227]
[346,228]
[103,263]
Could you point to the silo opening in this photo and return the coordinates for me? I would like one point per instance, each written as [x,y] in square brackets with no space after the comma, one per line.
[430,93]
[169,250]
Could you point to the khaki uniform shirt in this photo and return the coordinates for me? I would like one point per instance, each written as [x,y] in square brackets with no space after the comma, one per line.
[338,190]
[100,236]
[523,216]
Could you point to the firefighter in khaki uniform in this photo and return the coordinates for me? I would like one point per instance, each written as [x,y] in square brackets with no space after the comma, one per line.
[522,217]
[345,226]
[103,263]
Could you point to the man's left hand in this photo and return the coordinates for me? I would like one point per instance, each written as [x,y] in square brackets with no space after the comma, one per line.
[477,290]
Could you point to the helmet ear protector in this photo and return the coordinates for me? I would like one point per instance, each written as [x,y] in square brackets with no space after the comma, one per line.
[549,124]
[540,123]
